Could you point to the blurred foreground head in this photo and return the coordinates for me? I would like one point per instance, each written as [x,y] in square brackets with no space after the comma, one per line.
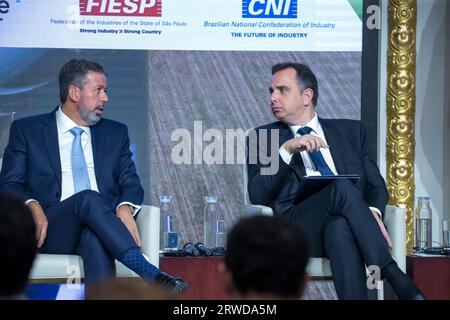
[17,245]
[266,258]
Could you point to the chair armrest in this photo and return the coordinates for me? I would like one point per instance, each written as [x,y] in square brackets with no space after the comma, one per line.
[148,226]
[394,219]
[254,209]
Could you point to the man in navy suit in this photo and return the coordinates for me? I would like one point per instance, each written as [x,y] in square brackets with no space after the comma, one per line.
[74,170]
[343,221]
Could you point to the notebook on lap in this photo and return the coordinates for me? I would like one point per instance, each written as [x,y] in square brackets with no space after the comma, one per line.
[313,184]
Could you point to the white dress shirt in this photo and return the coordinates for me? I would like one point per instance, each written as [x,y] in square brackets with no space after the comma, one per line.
[317,131]
[310,168]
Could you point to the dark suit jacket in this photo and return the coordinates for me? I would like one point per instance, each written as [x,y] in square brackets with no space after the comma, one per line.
[32,167]
[348,147]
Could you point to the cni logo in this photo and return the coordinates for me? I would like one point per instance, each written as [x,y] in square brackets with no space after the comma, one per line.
[269,8]
[140,8]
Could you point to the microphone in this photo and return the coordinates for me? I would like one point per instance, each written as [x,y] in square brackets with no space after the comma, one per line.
[191,249]
[204,250]
[218,251]
[175,253]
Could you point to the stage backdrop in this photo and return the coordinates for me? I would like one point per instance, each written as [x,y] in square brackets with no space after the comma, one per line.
[178,64]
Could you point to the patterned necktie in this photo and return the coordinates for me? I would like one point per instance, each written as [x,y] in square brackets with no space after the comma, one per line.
[316,156]
[79,167]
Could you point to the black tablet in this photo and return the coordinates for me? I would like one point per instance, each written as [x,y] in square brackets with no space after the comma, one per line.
[309,185]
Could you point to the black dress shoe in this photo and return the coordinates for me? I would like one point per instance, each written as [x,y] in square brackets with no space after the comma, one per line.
[174,285]
[180,286]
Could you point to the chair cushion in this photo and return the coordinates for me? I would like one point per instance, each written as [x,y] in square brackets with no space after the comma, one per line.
[56,266]
[63,266]
[319,267]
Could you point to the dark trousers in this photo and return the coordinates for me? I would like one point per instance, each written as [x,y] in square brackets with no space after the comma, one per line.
[85,225]
[339,225]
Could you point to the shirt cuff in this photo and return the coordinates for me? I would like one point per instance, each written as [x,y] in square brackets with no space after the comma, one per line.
[285,155]
[134,207]
[377,211]
[30,201]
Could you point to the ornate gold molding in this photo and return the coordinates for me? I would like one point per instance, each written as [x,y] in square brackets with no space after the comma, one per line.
[400,106]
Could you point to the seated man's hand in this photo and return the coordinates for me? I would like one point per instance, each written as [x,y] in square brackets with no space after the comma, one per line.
[41,222]
[304,143]
[125,215]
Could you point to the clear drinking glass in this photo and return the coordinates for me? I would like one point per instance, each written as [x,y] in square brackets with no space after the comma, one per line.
[221,233]
[445,234]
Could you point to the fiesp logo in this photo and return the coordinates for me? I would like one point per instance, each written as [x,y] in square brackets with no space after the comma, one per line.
[269,8]
[140,8]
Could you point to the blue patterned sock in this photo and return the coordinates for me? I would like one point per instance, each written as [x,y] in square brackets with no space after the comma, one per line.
[134,260]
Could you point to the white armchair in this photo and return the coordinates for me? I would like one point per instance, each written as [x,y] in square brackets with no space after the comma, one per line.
[394,219]
[59,267]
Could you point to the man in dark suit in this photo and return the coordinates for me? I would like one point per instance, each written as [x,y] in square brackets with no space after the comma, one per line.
[343,221]
[74,170]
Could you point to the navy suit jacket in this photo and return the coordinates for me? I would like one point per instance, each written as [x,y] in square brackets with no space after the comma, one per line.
[32,168]
[348,147]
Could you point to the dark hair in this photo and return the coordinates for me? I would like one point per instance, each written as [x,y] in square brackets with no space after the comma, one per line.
[74,73]
[17,244]
[305,77]
[267,255]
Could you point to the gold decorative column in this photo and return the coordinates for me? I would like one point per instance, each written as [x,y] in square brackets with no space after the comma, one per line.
[400,105]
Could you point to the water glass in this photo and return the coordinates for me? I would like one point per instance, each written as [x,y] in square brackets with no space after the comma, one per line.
[221,234]
[445,233]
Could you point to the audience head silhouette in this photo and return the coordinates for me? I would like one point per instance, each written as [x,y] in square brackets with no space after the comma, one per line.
[266,258]
[17,246]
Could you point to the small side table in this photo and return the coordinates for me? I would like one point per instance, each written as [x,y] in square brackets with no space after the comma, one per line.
[201,274]
[431,274]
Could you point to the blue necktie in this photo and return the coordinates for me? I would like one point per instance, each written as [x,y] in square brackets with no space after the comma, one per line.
[316,156]
[79,167]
